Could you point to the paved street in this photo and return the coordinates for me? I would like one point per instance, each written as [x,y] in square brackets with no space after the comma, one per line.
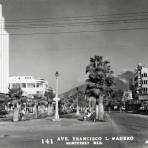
[31,134]
[131,124]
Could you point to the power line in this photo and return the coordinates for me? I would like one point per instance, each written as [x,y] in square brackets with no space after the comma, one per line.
[82,23]
[98,21]
[83,31]
[66,20]
[80,17]
[32,20]
[73,22]
[143,20]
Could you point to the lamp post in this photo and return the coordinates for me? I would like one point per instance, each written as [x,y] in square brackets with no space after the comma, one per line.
[57,75]
[56,99]
[77,113]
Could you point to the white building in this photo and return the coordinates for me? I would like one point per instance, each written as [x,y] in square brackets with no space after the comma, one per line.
[29,85]
[141,79]
[127,95]
[4,55]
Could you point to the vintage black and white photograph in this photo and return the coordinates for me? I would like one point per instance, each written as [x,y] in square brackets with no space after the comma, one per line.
[74,73]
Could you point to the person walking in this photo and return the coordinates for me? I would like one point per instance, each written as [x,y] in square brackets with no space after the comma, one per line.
[15,113]
[22,113]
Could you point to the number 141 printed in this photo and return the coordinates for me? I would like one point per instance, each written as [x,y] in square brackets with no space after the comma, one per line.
[47,141]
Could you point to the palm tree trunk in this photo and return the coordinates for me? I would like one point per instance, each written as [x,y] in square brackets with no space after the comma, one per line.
[92,104]
[35,111]
[100,109]
[97,111]
[49,109]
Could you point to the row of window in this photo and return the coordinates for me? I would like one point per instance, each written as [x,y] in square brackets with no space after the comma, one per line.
[27,85]
[27,77]
[144,82]
[145,89]
[144,75]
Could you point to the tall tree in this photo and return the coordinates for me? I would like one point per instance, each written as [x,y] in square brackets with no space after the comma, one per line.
[99,82]
[49,94]
[15,93]
[117,98]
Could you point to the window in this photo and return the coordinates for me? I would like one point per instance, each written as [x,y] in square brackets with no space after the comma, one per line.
[15,85]
[23,85]
[144,82]
[31,85]
[27,77]
[144,75]
[39,85]
[145,89]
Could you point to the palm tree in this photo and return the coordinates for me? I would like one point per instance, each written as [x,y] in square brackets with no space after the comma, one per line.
[15,93]
[99,82]
[49,94]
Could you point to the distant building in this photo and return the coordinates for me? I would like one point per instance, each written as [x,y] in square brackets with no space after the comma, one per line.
[141,82]
[29,85]
[4,55]
[127,95]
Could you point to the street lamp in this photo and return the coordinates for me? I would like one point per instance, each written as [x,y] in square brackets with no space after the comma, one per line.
[56,99]
[77,113]
[57,75]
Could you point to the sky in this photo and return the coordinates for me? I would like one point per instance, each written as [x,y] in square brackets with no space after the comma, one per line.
[61,35]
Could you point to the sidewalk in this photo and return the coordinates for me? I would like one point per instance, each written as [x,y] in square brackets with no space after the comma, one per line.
[138,114]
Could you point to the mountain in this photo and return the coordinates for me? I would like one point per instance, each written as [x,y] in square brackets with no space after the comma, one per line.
[126,75]
[121,82]
[74,90]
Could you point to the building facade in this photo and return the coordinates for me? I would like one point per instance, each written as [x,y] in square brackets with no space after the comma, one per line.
[127,95]
[141,81]
[4,55]
[29,85]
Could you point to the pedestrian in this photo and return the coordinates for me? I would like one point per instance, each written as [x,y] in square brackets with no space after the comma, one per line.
[15,114]
[120,108]
[22,113]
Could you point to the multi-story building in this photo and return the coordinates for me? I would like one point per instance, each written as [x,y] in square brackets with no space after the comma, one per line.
[4,55]
[141,81]
[29,85]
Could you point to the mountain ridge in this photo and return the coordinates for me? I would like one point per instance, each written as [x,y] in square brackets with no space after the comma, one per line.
[121,82]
